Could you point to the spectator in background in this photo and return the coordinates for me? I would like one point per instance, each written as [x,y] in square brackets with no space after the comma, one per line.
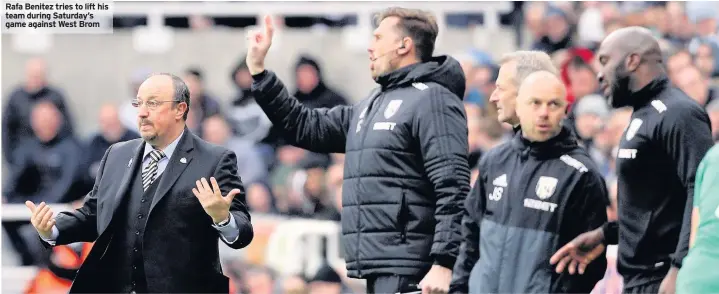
[325,281]
[612,25]
[533,16]
[320,205]
[590,25]
[260,198]
[705,58]
[111,131]
[489,133]
[16,122]
[690,80]
[127,112]
[677,61]
[202,104]
[471,95]
[605,143]
[311,88]
[704,17]
[48,165]
[250,166]
[249,121]
[258,280]
[480,72]
[582,78]
[681,30]
[591,113]
[48,169]
[557,31]
[473,116]
[294,285]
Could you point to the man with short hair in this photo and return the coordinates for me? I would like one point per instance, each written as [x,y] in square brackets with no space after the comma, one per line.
[514,68]
[406,172]
[158,206]
[656,165]
[534,193]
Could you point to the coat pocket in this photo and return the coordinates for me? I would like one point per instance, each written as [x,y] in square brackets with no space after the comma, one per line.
[402,217]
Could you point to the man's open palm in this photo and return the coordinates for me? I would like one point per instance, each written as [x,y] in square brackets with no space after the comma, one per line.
[578,253]
[259,42]
[210,196]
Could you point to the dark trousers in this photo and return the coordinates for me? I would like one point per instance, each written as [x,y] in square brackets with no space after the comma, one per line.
[390,284]
[651,287]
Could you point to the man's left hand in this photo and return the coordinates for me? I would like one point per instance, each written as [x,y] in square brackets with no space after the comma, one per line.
[215,205]
[669,284]
[437,280]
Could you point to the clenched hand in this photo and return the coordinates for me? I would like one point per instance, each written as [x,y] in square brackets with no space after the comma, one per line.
[215,205]
[437,280]
[41,218]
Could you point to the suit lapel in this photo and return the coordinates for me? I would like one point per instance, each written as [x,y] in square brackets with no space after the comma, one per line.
[127,177]
[175,167]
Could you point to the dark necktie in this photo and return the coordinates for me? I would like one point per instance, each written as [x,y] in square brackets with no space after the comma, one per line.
[149,173]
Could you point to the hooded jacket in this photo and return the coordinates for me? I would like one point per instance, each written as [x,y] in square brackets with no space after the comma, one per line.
[530,199]
[321,95]
[405,173]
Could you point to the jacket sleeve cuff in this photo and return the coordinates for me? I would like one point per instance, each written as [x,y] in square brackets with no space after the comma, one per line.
[260,76]
[610,230]
[445,261]
[677,260]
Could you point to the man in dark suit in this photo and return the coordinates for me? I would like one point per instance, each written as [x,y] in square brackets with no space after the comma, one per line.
[153,214]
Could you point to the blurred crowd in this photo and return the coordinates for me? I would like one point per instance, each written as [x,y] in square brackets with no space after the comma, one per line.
[46,160]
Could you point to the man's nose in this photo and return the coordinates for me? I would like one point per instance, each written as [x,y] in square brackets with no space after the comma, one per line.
[600,77]
[543,111]
[142,111]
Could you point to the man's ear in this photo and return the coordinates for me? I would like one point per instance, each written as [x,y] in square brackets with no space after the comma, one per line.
[181,109]
[404,45]
[632,62]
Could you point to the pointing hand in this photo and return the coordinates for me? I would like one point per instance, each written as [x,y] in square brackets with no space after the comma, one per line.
[259,42]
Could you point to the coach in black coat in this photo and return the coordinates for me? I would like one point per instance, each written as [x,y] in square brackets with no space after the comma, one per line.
[158,206]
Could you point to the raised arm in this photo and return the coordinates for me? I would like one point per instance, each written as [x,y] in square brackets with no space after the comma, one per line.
[318,130]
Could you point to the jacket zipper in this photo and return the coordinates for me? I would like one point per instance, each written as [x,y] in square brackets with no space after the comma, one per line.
[402,218]
[368,119]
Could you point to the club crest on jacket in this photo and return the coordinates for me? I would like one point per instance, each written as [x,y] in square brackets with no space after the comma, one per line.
[546,187]
[392,108]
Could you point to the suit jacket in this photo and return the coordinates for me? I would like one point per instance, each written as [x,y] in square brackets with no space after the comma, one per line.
[180,246]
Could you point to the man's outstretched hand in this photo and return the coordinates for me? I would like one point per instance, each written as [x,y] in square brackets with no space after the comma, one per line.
[41,218]
[578,253]
[258,43]
[210,196]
